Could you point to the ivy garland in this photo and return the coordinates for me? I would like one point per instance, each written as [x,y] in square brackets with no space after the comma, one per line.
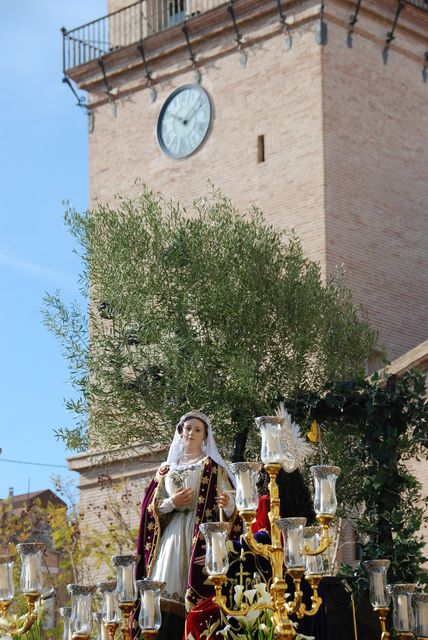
[374,428]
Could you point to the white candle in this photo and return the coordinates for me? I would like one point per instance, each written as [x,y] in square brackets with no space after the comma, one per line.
[422,613]
[31,578]
[128,582]
[403,613]
[292,544]
[272,443]
[246,487]
[218,547]
[326,495]
[4,582]
[110,610]
[378,587]
[149,609]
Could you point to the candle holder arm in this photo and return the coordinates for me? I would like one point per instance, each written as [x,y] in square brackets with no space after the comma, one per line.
[316,599]
[264,550]
[293,606]
[220,600]
[326,541]
[382,613]
[24,622]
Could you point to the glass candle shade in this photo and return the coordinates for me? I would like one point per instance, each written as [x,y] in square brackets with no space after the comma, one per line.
[270,431]
[402,614]
[216,556]
[325,502]
[420,608]
[81,609]
[102,631]
[7,587]
[246,474]
[65,613]
[125,568]
[377,572]
[150,612]
[311,538]
[31,568]
[292,529]
[110,610]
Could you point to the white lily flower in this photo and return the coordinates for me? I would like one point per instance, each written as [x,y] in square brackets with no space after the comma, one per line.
[250,617]
[249,594]
[224,632]
[264,596]
[239,590]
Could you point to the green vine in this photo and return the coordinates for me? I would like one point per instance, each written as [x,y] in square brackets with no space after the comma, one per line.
[373,429]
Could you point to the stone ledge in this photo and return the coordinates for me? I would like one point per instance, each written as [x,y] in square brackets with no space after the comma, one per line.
[102,457]
[416,358]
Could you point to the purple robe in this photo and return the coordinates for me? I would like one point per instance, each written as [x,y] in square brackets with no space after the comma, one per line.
[150,533]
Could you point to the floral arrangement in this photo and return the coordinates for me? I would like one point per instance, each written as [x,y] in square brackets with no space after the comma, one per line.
[255,625]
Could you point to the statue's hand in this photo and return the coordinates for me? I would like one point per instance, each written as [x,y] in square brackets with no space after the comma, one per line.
[182,498]
[223,500]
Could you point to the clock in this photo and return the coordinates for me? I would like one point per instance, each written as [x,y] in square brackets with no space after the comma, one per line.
[184,121]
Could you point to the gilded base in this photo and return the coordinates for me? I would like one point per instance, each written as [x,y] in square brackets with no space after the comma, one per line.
[149,634]
[111,628]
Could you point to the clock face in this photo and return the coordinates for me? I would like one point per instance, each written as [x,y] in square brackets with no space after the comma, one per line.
[184,121]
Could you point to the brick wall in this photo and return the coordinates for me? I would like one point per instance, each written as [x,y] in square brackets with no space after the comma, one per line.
[375,141]
[112,481]
[345,145]
[277,95]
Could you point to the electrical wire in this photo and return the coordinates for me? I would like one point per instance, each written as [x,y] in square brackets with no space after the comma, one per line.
[37,464]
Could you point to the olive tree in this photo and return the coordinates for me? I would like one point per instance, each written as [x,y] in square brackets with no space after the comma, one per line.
[205,308]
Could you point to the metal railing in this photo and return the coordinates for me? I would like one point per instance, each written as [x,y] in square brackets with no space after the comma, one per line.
[131,24]
[419,4]
[127,26]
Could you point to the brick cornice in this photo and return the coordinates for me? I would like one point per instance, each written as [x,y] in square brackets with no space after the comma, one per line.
[90,460]
[166,51]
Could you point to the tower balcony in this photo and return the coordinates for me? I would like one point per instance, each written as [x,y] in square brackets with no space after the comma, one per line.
[127,26]
[148,32]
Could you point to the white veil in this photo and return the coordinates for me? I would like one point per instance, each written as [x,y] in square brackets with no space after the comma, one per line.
[210,448]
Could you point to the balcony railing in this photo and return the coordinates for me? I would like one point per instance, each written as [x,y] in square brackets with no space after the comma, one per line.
[133,23]
[127,26]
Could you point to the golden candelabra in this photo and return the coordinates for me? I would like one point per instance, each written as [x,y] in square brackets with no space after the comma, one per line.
[11,627]
[111,628]
[410,607]
[282,607]
[31,585]
[382,613]
[119,597]
[126,608]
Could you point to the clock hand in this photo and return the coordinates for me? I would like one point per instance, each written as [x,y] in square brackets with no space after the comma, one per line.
[189,115]
[176,117]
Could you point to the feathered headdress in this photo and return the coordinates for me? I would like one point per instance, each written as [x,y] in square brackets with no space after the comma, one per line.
[296,448]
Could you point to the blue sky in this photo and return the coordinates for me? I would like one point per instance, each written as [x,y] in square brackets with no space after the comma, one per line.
[43,161]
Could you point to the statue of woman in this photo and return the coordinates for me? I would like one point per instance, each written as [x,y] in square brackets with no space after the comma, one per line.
[189,488]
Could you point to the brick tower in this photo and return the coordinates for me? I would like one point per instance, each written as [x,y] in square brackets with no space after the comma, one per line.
[316,112]
[325,127]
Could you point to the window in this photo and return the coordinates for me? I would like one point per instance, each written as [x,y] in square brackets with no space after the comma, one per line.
[176,11]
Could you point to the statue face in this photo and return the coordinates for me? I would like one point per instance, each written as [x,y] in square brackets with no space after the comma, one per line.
[193,433]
